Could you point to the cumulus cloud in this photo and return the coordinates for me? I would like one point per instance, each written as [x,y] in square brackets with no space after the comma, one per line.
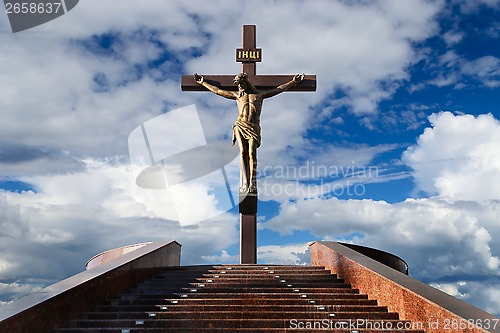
[459,71]
[487,69]
[90,85]
[223,257]
[485,292]
[468,7]
[290,254]
[458,157]
[86,213]
[451,238]
[453,37]
[12,290]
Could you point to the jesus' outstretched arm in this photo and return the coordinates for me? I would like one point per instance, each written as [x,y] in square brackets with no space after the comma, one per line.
[284,87]
[224,93]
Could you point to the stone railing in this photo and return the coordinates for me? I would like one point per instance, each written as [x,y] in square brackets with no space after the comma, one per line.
[427,308]
[51,307]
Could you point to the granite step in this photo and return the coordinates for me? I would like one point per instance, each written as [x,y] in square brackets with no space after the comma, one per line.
[180,308]
[243,300]
[308,269]
[268,272]
[349,294]
[270,275]
[271,289]
[209,315]
[268,267]
[250,279]
[224,319]
[247,289]
[237,321]
[260,284]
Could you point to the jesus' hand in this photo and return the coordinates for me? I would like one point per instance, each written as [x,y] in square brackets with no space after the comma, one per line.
[198,78]
[298,78]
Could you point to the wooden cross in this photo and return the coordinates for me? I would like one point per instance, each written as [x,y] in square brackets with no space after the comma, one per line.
[248,55]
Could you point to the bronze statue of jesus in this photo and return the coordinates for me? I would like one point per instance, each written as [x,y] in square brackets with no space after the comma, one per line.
[246,129]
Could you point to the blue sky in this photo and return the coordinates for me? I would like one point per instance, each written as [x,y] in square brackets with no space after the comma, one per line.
[398,146]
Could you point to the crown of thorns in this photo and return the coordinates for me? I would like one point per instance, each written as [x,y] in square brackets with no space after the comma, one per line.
[242,77]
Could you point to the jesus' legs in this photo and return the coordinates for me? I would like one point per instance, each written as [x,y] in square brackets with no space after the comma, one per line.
[245,165]
[252,163]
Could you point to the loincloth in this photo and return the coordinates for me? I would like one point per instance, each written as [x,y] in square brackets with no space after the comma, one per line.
[247,130]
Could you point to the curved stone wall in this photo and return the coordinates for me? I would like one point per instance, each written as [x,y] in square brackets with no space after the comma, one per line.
[106,256]
[382,257]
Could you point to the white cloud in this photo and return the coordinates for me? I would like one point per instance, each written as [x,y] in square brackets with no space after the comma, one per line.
[5,265]
[487,69]
[458,157]
[51,233]
[440,240]
[485,292]
[452,37]
[57,66]
[290,254]
[450,288]
[16,288]
[224,257]
[471,6]
[458,71]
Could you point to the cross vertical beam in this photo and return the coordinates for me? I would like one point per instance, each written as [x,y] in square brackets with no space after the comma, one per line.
[249,42]
[248,204]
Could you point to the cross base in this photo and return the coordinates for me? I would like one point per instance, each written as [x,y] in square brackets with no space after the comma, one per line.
[248,229]
[248,204]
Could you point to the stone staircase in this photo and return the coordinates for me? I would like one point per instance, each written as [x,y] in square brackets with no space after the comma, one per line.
[241,298]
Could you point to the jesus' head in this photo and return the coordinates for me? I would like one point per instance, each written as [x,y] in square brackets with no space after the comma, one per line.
[244,83]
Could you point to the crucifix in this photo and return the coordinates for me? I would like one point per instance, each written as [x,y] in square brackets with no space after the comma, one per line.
[249,90]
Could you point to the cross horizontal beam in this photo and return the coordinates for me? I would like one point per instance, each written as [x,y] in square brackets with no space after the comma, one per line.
[261,82]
